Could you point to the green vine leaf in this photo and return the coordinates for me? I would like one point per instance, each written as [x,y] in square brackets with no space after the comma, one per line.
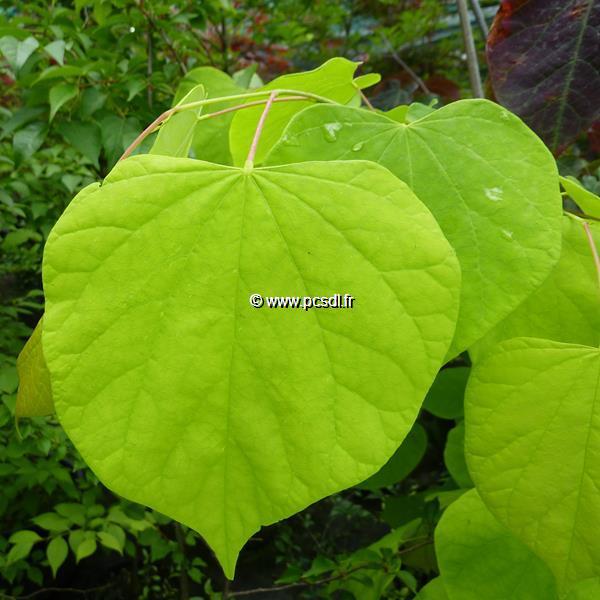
[565,308]
[181,395]
[489,181]
[533,449]
[479,557]
[332,80]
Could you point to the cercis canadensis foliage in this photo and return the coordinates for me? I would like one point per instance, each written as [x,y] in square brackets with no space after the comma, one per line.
[446,226]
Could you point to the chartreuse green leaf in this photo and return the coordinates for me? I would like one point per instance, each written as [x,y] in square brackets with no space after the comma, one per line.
[34,396]
[434,590]
[480,559]
[445,398]
[489,181]
[454,456]
[332,80]
[181,395]
[211,140]
[533,448]
[565,307]
[403,461]
[586,200]
[588,589]
[177,132]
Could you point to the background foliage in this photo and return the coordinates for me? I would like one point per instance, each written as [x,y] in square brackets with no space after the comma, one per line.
[78,81]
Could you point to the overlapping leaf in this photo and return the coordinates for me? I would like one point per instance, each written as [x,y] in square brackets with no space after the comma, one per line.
[565,308]
[34,396]
[489,181]
[180,395]
[210,139]
[332,80]
[480,558]
[533,448]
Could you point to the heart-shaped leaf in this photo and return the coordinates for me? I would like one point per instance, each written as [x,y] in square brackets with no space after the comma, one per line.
[533,447]
[480,559]
[181,395]
[488,180]
[565,307]
[333,80]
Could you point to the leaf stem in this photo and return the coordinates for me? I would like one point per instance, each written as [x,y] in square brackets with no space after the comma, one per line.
[366,100]
[298,95]
[261,123]
[590,238]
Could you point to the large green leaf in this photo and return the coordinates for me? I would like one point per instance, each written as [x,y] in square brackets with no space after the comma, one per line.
[434,590]
[533,448]
[331,80]
[34,396]
[180,395]
[565,308]
[480,559]
[211,139]
[403,461]
[489,181]
[588,589]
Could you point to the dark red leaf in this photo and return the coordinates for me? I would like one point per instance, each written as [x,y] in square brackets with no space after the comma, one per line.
[544,60]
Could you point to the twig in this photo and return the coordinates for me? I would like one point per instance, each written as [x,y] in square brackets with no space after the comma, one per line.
[480,18]
[405,66]
[66,590]
[305,583]
[366,100]
[168,43]
[171,111]
[148,60]
[590,237]
[472,61]
[258,132]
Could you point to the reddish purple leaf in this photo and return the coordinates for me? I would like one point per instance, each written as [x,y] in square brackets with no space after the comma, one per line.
[544,60]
